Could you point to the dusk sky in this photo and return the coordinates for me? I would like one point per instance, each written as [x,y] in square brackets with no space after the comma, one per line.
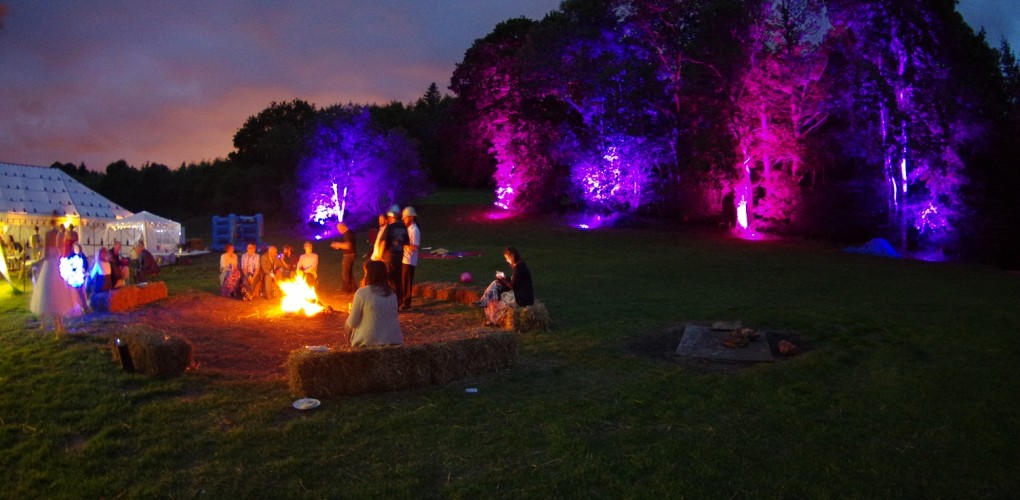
[172,81]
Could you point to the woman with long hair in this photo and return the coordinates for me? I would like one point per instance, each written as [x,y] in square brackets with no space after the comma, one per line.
[373,315]
[519,283]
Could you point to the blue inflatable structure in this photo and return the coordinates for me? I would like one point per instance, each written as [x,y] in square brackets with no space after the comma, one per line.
[234,229]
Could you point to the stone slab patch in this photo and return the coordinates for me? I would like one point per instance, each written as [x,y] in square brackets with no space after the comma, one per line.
[705,343]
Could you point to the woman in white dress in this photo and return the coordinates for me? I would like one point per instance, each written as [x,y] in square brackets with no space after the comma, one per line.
[51,295]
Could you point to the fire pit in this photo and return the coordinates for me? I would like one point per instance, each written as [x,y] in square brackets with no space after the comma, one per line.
[252,339]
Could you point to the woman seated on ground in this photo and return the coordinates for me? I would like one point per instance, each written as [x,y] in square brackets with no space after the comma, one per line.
[519,283]
[373,315]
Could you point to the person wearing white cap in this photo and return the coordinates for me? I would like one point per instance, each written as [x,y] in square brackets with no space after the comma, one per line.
[410,260]
[394,238]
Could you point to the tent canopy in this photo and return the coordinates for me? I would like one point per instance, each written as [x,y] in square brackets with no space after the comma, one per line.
[160,235]
[33,196]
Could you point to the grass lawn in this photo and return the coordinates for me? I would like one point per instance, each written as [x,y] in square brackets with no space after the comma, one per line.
[910,389]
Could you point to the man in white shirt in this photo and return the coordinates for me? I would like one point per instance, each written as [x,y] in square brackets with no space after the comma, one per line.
[410,259]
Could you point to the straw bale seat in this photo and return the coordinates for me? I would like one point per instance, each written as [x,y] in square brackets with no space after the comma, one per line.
[146,350]
[449,292]
[513,317]
[377,369]
[128,297]
[524,319]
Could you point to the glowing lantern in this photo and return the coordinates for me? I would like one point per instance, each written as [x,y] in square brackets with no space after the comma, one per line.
[298,296]
[72,269]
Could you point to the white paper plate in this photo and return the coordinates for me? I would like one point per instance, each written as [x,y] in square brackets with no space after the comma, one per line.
[317,348]
[306,404]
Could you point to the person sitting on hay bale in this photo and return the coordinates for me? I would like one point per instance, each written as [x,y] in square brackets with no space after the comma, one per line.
[148,269]
[308,265]
[251,273]
[272,269]
[519,283]
[230,273]
[373,314]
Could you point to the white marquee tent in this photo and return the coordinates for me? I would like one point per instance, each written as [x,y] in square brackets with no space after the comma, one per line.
[161,236]
[32,196]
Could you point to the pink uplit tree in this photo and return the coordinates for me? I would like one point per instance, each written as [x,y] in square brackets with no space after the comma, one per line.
[503,116]
[777,106]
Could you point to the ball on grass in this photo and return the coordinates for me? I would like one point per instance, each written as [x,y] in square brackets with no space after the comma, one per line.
[465,277]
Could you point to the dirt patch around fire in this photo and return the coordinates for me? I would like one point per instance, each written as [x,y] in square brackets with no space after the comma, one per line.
[251,340]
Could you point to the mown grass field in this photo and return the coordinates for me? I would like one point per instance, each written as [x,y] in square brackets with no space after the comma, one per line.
[910,388]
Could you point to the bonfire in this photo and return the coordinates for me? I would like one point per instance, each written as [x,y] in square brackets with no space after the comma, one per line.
[299,296]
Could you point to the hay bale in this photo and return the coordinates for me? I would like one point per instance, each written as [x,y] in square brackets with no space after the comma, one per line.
[526,319]
[467,295]
[425,290]
[460,359]
[378,369]
[128,297]
[154,352]
[450,292]
[357,371]
[445,291]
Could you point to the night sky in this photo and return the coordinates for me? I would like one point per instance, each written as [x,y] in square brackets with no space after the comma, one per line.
[171,81]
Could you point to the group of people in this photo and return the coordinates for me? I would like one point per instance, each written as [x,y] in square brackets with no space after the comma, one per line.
[66,284]
[388,276]
[385,289]
[252,275]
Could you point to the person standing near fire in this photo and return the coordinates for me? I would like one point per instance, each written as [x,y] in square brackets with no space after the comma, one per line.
[349,248]
[410,256]
[394,237]
[375,238]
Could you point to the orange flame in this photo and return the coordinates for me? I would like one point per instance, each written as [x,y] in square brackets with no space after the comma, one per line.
[298,296]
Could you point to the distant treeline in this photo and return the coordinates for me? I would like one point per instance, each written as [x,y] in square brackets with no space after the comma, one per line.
[835,119]
[269,148]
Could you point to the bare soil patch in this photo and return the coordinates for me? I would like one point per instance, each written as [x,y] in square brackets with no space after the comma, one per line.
[661,345]
[251,340]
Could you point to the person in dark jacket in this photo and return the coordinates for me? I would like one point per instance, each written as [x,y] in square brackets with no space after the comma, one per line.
[519,282]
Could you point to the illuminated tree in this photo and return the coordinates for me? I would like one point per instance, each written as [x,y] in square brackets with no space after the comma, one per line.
[919,121]
[354,169]
[491,98]
[610,142]
[778,104]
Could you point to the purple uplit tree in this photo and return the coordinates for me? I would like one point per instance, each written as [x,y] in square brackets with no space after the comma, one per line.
[615,175]
[610,143]
[354,169]
[919,123]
